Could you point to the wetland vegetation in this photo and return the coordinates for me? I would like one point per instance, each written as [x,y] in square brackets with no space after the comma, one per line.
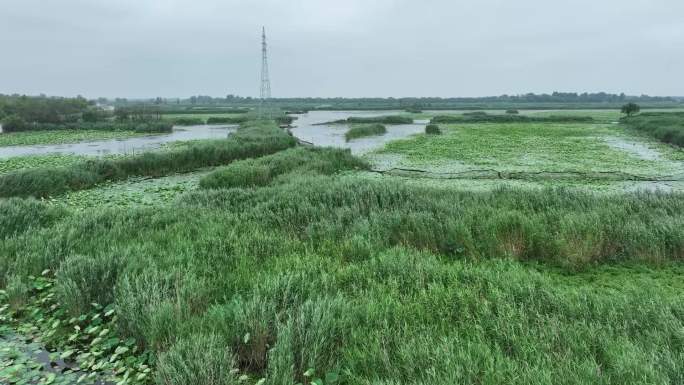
[483,117]
[253,260]
[251,140]
[667,127]
[362,130]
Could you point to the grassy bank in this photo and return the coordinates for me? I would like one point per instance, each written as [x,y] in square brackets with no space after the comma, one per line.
[363,130]
[667,127]
[253,139]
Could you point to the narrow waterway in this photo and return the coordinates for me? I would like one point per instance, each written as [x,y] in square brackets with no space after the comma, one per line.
[307,128]
[121,146]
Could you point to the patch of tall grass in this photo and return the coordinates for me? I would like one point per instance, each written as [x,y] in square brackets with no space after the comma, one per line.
[188,121]
[388,119]
[227,119]
[20,215]
[296,161]
[374,281]
[667,127]
[83,280]
[251,140]
[558,226]
[151,126]
[202,359]
[363,130]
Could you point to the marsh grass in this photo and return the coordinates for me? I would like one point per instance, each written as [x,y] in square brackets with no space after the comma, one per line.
[252,140]
[385,283]
[227,119]
[364,130]
[16,291]
[379,281]
[144,127]
[667,127]
[388,119]
[188,121]
[296,161]
[202,359]
[82,281]
[20,215]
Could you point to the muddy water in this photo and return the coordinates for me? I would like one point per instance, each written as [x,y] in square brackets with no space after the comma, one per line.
[121,146]
[306,129]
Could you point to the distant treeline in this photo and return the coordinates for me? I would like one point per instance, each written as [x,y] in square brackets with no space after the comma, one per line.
[556,100]
[43,109]
[205,110]
[41,113]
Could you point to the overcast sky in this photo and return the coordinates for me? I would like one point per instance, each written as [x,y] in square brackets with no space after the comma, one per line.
[146,48]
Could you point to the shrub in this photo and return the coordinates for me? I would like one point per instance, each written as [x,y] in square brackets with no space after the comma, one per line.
[630,109]
[433,129]
[14,123]
[512,112]
[198,359]
[83,280]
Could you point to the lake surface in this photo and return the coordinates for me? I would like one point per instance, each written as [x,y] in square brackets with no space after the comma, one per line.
[332,135]
[121,146]
[305,128]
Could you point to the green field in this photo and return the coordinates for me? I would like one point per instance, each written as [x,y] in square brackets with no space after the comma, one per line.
[250,260]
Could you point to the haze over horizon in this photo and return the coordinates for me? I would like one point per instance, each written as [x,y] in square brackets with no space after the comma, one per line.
[382,48]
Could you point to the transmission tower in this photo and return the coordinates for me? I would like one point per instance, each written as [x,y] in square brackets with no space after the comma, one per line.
[265,94]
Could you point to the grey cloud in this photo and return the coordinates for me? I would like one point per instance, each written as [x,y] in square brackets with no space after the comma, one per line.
[330,48]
